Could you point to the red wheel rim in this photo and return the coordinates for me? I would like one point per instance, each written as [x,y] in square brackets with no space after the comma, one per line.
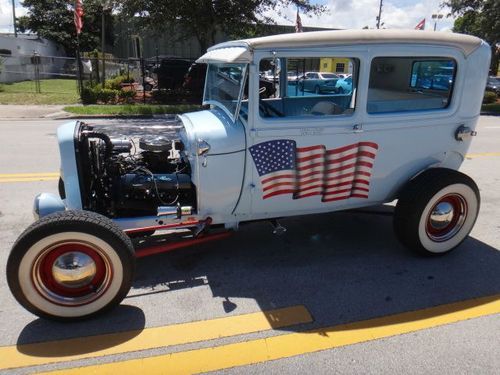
[446,217]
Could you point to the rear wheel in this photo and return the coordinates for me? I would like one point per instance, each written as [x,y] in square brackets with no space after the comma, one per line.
[437,211]
[71,265]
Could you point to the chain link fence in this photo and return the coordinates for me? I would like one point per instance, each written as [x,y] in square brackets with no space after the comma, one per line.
[104,79]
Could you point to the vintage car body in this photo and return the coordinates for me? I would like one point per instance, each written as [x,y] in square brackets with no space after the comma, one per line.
[250,157]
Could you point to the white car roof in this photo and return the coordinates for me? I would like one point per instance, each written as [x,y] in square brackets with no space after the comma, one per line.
[242,50]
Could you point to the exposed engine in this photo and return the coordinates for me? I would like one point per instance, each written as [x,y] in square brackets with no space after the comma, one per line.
[131,171]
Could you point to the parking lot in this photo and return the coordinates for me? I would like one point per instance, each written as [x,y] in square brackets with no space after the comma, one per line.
[336,293]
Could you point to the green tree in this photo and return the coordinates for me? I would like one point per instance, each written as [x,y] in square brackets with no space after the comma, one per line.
[480,18]
[53,20]
[203,18]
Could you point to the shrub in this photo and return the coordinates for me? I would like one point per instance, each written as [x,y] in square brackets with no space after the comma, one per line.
[107,95]
[89,95]
[489,97]
[116,83]
[127,95]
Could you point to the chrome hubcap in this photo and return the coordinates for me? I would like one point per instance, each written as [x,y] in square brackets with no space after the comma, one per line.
[72,273]
[74,269]
[441,215]
[446,218]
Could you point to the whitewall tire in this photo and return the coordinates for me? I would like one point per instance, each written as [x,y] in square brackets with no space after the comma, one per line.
[71,265]
[436,211]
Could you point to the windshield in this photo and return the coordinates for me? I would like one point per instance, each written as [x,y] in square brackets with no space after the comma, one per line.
[224,85]
[328,75]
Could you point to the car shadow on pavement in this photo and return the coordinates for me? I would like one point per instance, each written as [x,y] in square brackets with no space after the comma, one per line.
[344,267]
[129,320]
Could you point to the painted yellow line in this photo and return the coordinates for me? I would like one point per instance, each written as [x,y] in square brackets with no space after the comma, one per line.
[288,345]
[29,179]
[13,175]
[481,154]
[149,338]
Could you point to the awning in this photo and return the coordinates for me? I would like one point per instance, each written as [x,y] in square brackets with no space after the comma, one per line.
[227,55]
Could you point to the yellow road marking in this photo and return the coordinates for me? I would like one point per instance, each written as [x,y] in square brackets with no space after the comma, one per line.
[288,345]
[28,177]
[481,154]
[7,175]
[149,338]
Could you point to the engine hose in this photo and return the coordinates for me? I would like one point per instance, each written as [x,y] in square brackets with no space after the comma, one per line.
[105,138]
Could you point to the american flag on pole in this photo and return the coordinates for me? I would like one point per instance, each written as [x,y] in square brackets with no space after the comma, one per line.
[420,25]
[78,16]
[335,174]
[298,23]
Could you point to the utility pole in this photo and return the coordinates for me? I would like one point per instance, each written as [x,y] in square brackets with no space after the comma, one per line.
[103,40]
[14,17]
[379,14]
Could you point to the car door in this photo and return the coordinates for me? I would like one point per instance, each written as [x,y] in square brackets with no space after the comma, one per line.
[413,121]
[304,155]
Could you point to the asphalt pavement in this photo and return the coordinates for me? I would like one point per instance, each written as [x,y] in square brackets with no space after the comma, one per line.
[336,294]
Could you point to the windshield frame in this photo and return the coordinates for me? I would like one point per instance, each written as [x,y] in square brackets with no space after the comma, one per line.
[219,103]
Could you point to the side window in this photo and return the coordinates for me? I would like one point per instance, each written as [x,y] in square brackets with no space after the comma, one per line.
[293,87]
[401,84]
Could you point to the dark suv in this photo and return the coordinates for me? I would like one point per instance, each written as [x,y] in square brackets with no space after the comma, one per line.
[171,72]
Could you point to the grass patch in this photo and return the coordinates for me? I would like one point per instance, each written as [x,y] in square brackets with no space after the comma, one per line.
[492,107]
[53,91]
[131,109]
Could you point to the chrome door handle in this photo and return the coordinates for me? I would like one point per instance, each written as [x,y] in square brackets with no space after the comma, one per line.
[358,128]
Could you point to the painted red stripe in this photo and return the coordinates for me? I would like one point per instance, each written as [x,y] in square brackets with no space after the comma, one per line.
[319,186]
[310,148]
[369,144]
[353,182]
[310,157]
[359,195]
[270,187]
[300,196]
[310,166]
[357,164]
[278,193]
[337,192]
[341,149]
[312,173]
[352,156]
[302,182]
[267,179]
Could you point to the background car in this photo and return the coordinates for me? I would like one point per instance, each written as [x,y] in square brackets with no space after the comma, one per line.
[171,72]
[344,85]
[318,82]
[493,84]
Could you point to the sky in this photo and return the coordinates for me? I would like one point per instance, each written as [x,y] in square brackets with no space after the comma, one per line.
[342,14]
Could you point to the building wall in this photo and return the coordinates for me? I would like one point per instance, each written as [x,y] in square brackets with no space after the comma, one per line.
[172,43]
[336,65]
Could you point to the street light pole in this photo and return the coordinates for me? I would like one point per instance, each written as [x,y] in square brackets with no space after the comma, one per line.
[436,17]
[14,17]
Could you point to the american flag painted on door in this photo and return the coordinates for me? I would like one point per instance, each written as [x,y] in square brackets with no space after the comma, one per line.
[334,174]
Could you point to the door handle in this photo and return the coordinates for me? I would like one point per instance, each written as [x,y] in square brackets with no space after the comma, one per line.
[358,128]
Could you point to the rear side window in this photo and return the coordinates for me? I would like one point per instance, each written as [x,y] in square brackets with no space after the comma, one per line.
[402,84]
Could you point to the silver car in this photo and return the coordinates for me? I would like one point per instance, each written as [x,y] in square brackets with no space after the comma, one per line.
[318,82]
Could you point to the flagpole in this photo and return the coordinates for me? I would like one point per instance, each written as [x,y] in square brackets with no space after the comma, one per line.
[79,63]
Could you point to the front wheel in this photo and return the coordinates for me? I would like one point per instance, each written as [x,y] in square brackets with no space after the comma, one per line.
[436,211]
[71,265]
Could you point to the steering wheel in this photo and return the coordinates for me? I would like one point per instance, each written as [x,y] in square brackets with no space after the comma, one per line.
[268,110]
